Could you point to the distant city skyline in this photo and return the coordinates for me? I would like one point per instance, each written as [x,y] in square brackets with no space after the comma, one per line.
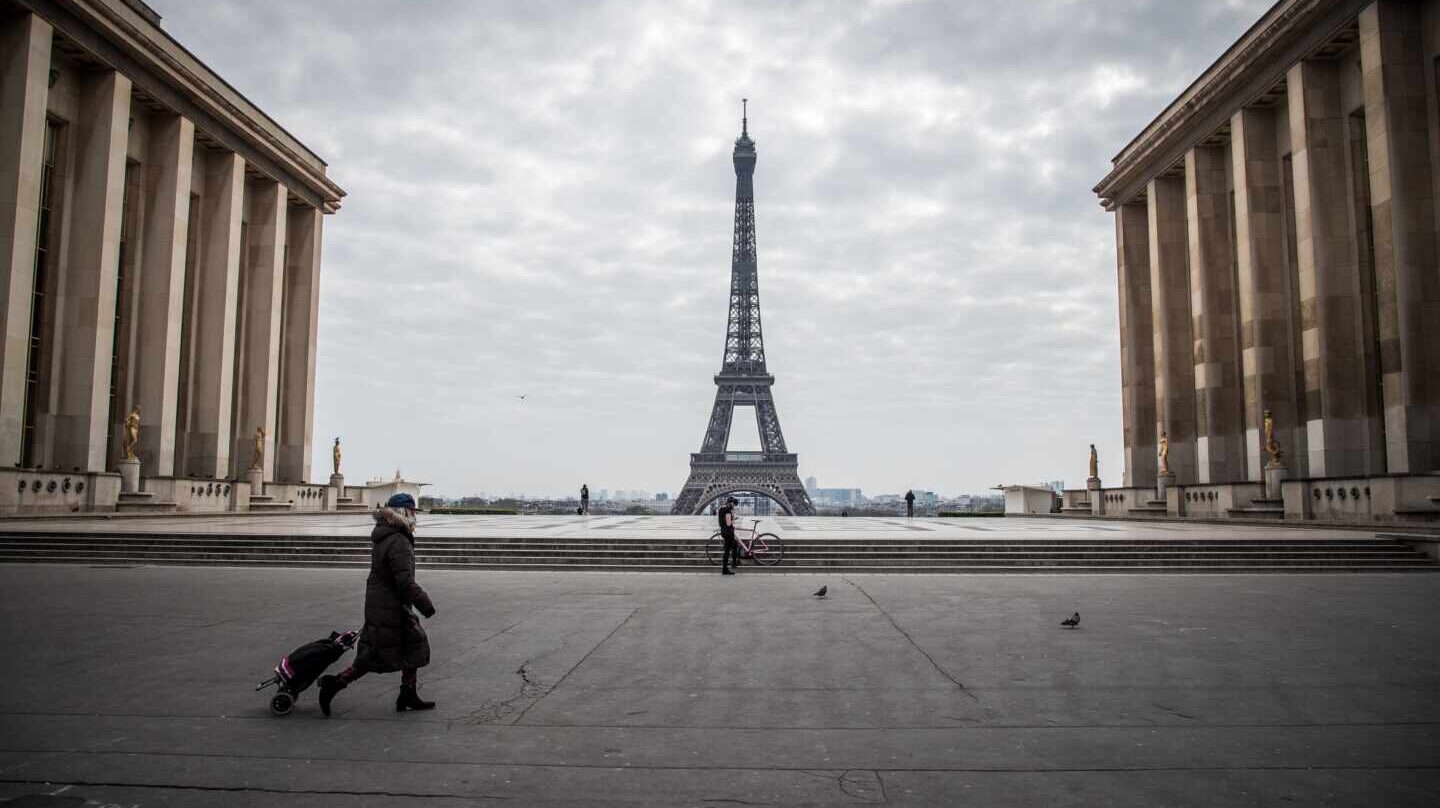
[542,195]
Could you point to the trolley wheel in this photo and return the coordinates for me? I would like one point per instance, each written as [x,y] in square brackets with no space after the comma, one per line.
[282,703]
[714,548]
[767,549]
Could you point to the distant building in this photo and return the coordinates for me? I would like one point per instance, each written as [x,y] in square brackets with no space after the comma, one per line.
[837,496]
[810,484]
[1029,499]
[1276,243]
[161,249]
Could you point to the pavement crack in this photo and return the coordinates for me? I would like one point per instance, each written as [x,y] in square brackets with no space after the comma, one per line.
[574,667]
[530,688]
[498,633]
[861,784]
[911,640]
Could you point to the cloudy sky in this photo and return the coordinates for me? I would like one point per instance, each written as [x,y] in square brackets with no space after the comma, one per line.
[541,198]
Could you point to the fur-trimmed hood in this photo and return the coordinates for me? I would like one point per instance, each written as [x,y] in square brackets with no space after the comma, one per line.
[395,518]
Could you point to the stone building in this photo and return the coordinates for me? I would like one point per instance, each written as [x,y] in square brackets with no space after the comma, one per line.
[1276,236]
[160,245]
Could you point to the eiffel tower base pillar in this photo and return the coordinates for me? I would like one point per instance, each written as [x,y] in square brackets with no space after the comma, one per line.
[713,476]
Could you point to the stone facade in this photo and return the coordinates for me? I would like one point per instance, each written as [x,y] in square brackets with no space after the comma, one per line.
[160,244]
[1276,240]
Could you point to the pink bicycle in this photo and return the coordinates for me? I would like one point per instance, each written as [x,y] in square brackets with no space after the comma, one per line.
[765,548]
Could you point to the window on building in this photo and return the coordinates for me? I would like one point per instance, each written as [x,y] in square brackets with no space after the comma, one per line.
[184,418]
[36,377]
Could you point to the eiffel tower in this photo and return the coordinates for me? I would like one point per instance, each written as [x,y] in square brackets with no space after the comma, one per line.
[743,380]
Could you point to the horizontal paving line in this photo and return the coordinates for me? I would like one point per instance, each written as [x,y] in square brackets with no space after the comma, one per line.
[612,766]
[962,727]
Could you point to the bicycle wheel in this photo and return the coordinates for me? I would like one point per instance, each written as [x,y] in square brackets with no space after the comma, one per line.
[714,548]
[767,549]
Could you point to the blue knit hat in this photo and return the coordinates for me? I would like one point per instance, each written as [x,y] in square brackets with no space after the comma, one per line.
[401,501]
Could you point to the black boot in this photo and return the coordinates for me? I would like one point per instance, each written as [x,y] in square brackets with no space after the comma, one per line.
[329,686]
[410,700]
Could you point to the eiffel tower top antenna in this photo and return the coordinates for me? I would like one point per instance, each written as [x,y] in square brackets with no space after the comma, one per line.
[744,116]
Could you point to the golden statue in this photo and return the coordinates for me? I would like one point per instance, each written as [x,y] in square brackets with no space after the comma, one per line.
[335,455]
[1094,464]
[1272,447]
[1164,452]
[258,461]
[132,434]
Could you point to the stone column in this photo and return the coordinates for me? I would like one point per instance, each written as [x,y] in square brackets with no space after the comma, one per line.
[162,289]
[1170,306]
[1337,433]
[1219,411]
[297,369]
[87,305]
[1137,343]
[24,86]
[214,315]
[1402,203]
[1265,286]
[264,282]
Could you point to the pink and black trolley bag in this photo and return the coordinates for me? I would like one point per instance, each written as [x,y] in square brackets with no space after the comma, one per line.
[300,668]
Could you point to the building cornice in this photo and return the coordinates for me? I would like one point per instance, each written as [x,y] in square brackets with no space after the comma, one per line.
[116,34]
[1287,33]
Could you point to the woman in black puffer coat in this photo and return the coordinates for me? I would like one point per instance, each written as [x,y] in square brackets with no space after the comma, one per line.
[392,639]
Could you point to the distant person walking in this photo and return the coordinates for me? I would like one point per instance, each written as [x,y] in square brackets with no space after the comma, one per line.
[392,639]
[727,534]
[910,504]
[584,498]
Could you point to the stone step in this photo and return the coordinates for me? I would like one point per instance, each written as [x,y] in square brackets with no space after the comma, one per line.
[688,554]
[794,542]
[143,502]
[791,569]
[790,551]
[648,560]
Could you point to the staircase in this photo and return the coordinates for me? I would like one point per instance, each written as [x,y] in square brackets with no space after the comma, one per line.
[688,555]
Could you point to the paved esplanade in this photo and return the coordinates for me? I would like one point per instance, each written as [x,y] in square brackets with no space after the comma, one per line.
[830,529]
[134,686]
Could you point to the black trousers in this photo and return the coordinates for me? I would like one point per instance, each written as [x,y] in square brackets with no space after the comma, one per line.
[731,551]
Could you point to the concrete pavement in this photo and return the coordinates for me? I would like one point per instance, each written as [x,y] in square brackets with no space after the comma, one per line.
[134,686]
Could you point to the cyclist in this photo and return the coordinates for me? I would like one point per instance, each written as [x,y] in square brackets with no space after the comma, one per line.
[727,533]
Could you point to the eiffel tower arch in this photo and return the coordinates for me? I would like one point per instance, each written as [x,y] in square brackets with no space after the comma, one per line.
[744,381]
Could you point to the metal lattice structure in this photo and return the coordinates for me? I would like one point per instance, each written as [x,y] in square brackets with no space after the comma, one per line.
[744,381]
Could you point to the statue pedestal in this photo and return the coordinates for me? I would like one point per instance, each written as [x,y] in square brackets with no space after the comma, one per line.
[1097,498]
[1163,483]
[1275,474]
[256,478]
[337,482]
[129,476]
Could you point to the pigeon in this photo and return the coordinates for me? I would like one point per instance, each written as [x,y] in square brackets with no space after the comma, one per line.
[822,591]
[1072,621]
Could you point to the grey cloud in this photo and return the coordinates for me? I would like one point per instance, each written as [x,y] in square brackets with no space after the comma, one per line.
[541,198]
